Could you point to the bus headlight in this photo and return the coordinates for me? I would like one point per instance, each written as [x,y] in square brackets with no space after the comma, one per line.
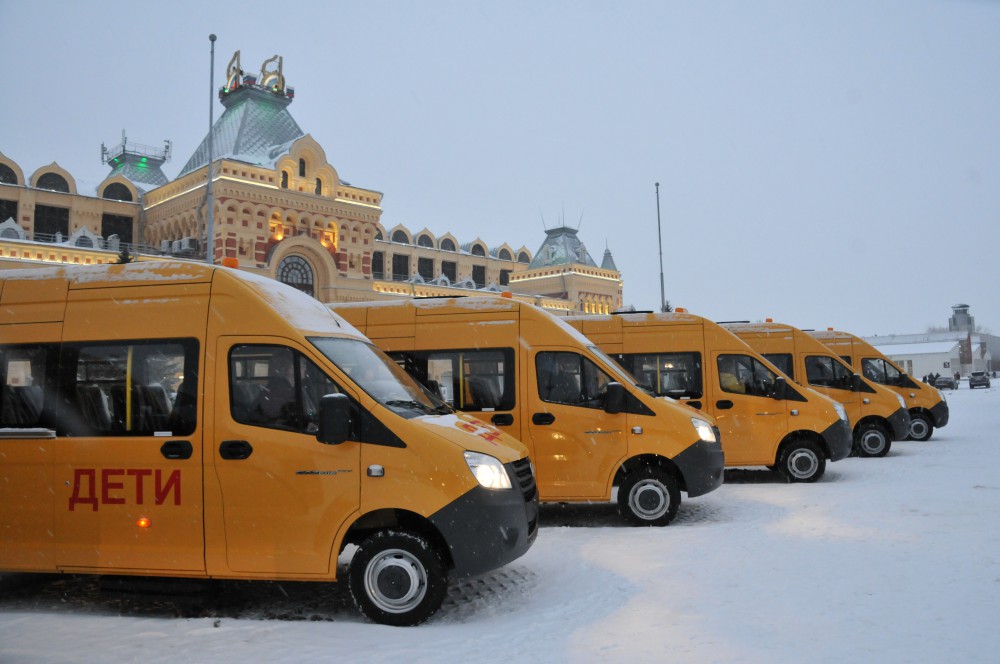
[902,402]
[841,411]
[704,430]
[487,470]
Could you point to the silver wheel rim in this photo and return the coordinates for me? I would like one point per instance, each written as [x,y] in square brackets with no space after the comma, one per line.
[802,464]
[395,581]
[649,499]
[918,429]
[873,442]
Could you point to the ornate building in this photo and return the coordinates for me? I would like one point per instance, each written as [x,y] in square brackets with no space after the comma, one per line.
[279,209]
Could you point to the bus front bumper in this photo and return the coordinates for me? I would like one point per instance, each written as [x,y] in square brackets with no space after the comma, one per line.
[702,466]
[486,529]
[940,413]
[900,423]
[839,440]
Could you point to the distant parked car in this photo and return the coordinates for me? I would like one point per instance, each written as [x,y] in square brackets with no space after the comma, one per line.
[946,383]
[979,379]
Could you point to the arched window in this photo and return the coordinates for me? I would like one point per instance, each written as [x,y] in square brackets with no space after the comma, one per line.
[116,191]
[447,245]
[400,236]
[302,168]
[53,182]
[378,265]
[504,255]
[296,272]
[523,257]
[284,179]
[7,175]
[424,240]
[477,250]
[319,187]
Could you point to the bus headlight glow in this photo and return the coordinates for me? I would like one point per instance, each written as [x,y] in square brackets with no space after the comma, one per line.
[704,430]
[488,471]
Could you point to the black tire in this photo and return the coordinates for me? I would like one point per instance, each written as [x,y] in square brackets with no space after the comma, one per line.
[397,578]
[871,439]
[921,427]
[649,496]
[802,461]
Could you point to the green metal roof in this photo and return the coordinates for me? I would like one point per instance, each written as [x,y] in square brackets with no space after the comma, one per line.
[256,128]
[562,247]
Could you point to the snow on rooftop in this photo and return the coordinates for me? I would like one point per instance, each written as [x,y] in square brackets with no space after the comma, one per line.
[926,348]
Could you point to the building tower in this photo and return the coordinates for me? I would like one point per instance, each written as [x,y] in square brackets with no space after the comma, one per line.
[961,320]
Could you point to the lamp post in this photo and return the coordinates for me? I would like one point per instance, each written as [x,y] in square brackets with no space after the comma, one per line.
[209,203]
[659,234]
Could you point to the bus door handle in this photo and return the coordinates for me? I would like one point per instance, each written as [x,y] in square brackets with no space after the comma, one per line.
[176,449]
[235,449]
[725,404]
[543,418]
[502,419]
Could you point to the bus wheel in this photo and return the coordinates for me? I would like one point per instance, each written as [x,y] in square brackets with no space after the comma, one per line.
[921,428]
[872,440]
[649,496]
[802,461]
[397,578]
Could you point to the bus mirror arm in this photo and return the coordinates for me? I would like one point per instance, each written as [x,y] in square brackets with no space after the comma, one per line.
[334,419]
[780,389]
[614,398]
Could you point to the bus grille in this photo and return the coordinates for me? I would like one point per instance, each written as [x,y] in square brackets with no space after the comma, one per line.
[525,478]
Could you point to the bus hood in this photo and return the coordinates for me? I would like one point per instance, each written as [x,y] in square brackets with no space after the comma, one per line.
[470,433]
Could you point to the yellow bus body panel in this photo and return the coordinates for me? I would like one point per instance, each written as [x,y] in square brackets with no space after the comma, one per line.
[776,338]
[577,456]
[752,427]
[919,395]
[130,503]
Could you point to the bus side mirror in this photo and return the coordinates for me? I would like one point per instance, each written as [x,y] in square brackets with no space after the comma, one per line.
[334,419]
[780,388]
[856,383]
[614,398]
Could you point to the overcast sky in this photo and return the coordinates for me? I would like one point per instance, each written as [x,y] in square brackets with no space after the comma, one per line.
[825,164]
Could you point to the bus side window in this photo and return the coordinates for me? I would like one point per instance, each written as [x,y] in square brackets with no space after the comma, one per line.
[130,388]
[783,361]
[277,388]
[24,385]
[570,379]
[470,380]
[676,375]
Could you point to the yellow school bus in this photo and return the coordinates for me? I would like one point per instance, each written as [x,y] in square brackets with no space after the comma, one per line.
[879,415]
[927,406]
[764,421]
[590,430]
[179,419]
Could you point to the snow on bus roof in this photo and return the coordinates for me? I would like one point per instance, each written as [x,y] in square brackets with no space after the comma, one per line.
[472,303]
[86,274]
[301,310]
[757,327]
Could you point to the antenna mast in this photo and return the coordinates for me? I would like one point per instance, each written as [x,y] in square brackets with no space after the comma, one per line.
[659,234]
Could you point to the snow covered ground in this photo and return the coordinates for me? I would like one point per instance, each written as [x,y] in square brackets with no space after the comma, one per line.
[884,560]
